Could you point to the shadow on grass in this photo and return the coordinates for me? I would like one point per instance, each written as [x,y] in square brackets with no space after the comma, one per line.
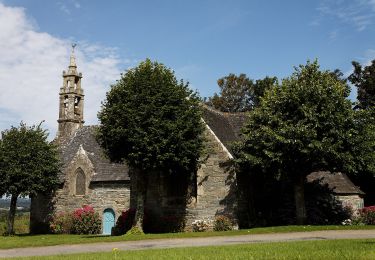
[369,242]
[95,236]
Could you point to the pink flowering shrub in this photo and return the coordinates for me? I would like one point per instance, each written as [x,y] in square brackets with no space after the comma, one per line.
[367,215]
[81,221]
[86,221]
[61,223]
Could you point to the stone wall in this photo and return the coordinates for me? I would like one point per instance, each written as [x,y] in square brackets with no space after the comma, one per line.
[353,201]
[213,194]
[115,195]
[216,184]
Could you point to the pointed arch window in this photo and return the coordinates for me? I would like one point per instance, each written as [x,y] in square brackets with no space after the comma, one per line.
[80,182]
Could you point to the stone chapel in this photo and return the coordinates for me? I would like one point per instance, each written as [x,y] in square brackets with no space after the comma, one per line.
[89,178]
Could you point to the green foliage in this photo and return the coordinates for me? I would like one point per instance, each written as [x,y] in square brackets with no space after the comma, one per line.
[260,87]
[364,80]
[304,125]
[239,93]
[61,223]
[301,126]
[28,162]
[235,93]
[222,223]
[135,231]
[322,206]
[151,120]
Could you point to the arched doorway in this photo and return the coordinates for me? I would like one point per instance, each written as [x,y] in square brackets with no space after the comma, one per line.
[108,221]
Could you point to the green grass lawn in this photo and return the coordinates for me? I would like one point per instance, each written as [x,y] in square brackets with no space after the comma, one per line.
[49,240]
[323,249]
[21,223]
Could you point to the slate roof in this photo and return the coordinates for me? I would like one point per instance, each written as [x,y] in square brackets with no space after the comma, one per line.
[226,126]
[338,182]
[104,170]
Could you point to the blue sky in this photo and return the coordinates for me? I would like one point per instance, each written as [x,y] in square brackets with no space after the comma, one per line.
[201,40]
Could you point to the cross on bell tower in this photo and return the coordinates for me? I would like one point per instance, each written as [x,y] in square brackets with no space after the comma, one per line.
[71,101]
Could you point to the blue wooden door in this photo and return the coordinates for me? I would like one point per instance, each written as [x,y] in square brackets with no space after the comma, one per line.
[108,221]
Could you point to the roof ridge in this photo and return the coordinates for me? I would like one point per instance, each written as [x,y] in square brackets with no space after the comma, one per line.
[205,106]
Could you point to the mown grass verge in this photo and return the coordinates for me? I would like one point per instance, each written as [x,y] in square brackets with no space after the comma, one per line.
[49,240]
[326,249]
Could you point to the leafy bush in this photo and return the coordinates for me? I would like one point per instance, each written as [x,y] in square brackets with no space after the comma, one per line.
[86,221]
[124,222]
[222,223]
[135,231]
[82,221]
[200,225]
[367,215]
[61,223]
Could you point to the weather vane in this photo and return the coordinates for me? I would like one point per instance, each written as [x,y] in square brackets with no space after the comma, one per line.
[73,46]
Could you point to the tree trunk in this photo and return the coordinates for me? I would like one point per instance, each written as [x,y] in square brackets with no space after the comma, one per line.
[299,197]
[12,213]
[141,184]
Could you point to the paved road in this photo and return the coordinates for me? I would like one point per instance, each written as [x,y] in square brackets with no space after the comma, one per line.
[186,242]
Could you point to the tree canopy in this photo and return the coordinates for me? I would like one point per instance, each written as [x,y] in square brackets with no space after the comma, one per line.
[239,93]
[364,79]
[153,122]
[302,126]
[28,164]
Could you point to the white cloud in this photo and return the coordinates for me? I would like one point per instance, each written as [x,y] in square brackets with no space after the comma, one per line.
[333,35]
[358,13]
[76,4]
[63,8]
[67,6]
[31,65]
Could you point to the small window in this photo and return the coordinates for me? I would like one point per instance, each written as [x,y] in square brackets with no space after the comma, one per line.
[76,105]
[80,182]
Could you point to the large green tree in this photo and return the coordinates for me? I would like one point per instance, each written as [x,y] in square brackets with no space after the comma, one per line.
[28,165]
[239,93]
[153,122]
[304,125]
[364,79]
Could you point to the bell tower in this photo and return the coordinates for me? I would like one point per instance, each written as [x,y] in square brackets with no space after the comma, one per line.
[71,101]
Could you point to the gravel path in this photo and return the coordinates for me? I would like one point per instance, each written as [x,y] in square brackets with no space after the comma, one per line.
[186,242]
